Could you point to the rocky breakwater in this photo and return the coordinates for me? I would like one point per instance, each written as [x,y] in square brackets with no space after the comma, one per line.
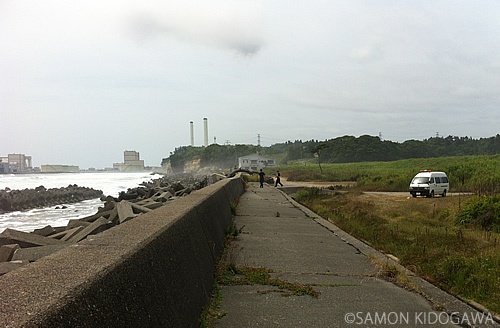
[20,200]
[18,248]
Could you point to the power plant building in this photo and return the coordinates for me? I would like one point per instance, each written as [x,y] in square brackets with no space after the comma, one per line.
[15,163]
[57,168]
[131,162]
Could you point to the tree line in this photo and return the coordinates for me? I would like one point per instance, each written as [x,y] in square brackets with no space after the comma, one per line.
[346,149]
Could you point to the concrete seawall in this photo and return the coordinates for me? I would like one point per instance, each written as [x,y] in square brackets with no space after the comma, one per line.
[154,271]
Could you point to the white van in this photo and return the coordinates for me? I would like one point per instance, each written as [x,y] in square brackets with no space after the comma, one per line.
[428,183]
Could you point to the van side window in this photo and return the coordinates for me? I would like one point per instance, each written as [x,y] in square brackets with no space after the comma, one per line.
[438,180]
[444,179]
[431,180]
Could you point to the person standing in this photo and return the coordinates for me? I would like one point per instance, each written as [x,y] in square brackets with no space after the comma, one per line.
[261,178]
[278,179]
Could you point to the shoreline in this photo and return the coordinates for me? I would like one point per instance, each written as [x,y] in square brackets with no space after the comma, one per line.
[75,172]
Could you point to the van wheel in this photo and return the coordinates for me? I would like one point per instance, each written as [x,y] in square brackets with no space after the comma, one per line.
[414,195]
[444,193]
[431,194]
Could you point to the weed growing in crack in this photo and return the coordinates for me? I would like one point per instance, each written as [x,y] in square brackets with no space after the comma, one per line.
[262,276]
[212,312]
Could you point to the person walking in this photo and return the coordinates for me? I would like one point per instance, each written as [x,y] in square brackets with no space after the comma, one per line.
[261,178]
[278,179]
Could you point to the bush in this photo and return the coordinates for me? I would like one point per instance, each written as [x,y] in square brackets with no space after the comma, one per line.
[482,211]
[473,277]
[308,194]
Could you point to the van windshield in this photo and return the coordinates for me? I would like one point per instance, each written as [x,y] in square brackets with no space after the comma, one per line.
[418,180]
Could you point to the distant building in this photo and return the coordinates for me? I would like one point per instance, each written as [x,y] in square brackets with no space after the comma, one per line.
[15,163]
[4,168]
[255,162]
[49,168]
[131,162]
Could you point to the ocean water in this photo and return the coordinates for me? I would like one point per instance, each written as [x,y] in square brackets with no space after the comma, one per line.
[111,183]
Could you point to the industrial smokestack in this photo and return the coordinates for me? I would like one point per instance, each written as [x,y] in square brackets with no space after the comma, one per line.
[205,130]
[192,132]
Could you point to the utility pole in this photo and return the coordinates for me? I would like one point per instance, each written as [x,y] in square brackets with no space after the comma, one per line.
[258,140]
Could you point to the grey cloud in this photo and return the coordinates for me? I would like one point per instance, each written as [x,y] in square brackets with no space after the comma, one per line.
[145,27]
[245,47]
[240,38]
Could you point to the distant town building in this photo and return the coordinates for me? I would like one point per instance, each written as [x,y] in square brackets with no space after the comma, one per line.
[255,162]
[50,168]
[4,168]
[131,162]
[15,163]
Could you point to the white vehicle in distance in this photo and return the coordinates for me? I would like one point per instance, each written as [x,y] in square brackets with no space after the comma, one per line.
[427,183]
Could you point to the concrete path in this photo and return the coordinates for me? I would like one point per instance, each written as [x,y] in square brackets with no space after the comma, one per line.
[299,247]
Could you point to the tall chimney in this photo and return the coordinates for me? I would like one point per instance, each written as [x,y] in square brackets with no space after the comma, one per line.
[192,132]
[205,130]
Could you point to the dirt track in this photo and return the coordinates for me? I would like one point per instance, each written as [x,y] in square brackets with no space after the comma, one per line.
[319,184]
[375,195]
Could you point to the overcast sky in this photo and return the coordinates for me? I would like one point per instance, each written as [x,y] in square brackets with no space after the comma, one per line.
[80,82]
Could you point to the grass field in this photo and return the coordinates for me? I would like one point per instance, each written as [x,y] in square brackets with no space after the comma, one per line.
[479,174]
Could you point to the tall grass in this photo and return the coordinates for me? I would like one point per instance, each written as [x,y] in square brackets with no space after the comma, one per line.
[478,174]
[423,234]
